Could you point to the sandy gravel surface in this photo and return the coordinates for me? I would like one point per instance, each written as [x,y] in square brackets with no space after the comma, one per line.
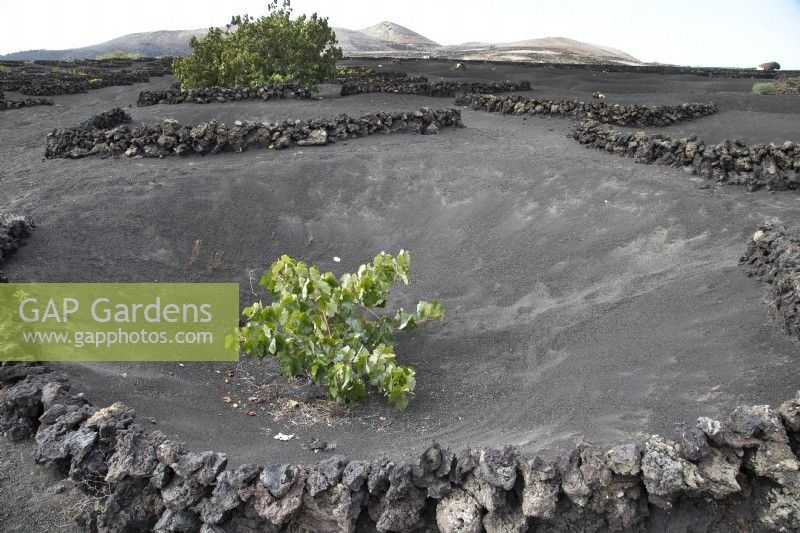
[34,498]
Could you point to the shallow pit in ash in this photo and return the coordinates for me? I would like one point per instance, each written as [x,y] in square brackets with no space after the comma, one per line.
[585,295]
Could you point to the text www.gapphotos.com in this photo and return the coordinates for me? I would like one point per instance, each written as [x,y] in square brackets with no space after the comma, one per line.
[79,339]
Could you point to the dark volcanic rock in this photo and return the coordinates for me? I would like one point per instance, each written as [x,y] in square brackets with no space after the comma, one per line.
[776,167]
[742,470]
[439,88]
[278,479]
[106,120]
[13,230]
[134,454]
[208,95]
[621,115]
[25,102]
[107,135]
[773,255]
[42,77]
[366,74]
[694,444]
[21,406]
[498,467]
[134,505]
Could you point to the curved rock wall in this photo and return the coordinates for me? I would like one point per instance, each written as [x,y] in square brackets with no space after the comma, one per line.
[759,165]
[740,474]
[223,94]
[367,74]
[709,72]
[439,88]
[787,85]
[380,78]
[621,115]
[13,230]
[25,102]
[43,78]
[774,257]
[172,138]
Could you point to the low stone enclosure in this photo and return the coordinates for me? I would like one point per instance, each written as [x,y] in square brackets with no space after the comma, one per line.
[760,165]
[439,88]
[731,73]
[359,74]
[108,134]
[774,257]
[787,85]
[621,115]
[25,102]
[46,78]
[223,94]
[380,78]
[388,82]
[738,474]
[741,473]
[13,230]
[709,72]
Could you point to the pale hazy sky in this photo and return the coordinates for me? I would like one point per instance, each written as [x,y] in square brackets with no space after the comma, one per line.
[739,33]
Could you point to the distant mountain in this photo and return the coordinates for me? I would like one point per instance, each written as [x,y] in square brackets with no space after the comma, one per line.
[150,44]
[394,33]
[354,42]
[383,39]
[154,43]
[550,49]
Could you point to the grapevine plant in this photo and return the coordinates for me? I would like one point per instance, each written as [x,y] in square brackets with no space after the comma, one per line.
[253,51]
[329,328]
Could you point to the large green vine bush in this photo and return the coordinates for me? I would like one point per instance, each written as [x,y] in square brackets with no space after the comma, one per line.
[271,49]
[328,327]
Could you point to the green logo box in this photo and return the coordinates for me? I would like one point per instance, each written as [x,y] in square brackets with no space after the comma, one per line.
[118,321]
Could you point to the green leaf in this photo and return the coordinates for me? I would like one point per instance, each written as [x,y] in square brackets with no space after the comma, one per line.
[406,321]
[287,365]
[232,340]
[399,400]
[430,310]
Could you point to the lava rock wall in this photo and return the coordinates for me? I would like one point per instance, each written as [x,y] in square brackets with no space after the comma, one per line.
[44,78]
[439,88]
[366,74]
[621,115]
[172,138]
[774,257]
[708,72]
[13,230]
[737,474]
[776,167]
[25,102]
[223,94]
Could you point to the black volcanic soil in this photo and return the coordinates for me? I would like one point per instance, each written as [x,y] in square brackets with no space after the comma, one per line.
[34,498]
[586,295]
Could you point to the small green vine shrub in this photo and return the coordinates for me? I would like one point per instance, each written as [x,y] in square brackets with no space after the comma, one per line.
[119,54]
[764,88]
[343,70]
[328,327]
